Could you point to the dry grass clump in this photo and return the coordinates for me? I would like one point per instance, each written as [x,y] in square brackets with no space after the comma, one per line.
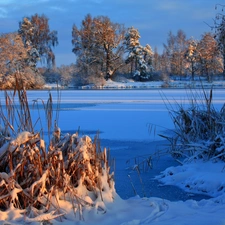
[36,179]
[199,130]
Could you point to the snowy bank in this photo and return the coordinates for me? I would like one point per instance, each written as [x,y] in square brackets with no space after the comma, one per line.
[197,177]
[130,84]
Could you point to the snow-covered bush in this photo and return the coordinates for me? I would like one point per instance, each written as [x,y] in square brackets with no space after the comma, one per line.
[39,180]
[199,131]
[73,170]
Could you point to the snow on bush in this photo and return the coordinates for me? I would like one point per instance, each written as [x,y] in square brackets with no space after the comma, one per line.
[39,182]
[199,131]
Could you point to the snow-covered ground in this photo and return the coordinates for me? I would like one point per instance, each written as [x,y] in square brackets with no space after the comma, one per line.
[124,83]
[130,84]
[128,122]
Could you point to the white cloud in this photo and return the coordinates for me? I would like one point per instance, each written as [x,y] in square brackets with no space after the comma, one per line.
[56,8]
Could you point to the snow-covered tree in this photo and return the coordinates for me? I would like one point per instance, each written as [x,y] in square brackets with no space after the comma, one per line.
[139,57]
[66,72]
[15,72]
[98,46]
[192,57]
[109,37]
[220,33]
[84,48]
[36,35]
[51,75]
[209,56]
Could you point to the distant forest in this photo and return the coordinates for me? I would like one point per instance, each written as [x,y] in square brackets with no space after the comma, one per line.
[107,50]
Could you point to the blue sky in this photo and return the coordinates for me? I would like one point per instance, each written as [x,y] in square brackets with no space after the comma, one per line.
[153,18]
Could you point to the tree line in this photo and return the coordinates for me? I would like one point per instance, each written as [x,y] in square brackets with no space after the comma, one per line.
[106,50]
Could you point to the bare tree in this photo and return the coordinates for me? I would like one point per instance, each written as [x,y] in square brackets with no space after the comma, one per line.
[169,52]
[175,50]
[156,60]
[180,49]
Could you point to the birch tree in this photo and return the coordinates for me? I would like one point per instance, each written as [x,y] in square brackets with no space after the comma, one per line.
[175,50]
[36,34]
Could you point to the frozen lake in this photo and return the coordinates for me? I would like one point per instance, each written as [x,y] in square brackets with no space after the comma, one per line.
[124,118]
[121,114]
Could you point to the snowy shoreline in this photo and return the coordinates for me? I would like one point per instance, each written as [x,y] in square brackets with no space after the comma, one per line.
[131,85]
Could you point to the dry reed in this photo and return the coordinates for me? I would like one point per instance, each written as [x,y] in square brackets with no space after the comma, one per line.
[35,178]
[199,129]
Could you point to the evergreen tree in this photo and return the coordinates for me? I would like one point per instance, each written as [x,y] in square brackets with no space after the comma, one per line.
[139,57]
[192,57]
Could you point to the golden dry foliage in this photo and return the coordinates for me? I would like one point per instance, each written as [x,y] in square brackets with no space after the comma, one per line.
[13,64]
[209,56]
[109,37]
[36,180]
[12,53]
[98,45]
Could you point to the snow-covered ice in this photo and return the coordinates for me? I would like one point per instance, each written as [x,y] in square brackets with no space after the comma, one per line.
[197,177]
[130,116]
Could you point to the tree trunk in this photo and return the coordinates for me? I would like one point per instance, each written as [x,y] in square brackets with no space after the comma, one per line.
[192,71]
[108,62]
[224,65]
[108,71]
[207,74]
